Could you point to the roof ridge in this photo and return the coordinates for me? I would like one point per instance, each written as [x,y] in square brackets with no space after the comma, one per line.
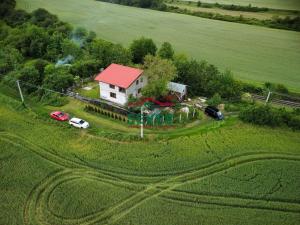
[119,75]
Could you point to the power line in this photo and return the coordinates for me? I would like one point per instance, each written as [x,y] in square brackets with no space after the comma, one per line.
[42,88]
[279,101]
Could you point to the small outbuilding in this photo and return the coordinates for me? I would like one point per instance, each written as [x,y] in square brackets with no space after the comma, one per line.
[179,90]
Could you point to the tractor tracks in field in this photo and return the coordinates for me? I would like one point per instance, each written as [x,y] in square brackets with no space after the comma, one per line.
[232,201]
[68,163]
[167,187]
[37,209]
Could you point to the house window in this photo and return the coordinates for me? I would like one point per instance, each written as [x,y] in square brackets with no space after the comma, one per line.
[137,82]
[139,90]
[122,90]
[113,95]
[112,86]
[141,80]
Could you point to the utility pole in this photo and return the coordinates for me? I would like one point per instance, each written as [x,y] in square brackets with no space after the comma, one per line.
[142,122]
[20,91]
[268,97]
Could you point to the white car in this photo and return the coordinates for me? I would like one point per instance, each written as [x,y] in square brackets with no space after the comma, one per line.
[76,122]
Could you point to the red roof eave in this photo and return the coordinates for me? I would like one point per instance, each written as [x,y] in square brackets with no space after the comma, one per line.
[119,75]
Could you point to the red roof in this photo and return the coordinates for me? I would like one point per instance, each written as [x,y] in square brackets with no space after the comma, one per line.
[121,76]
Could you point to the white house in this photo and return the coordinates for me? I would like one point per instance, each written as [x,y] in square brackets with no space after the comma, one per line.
[118,82]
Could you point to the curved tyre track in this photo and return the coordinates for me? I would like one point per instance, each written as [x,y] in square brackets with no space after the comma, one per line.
[177,181]
[68,163]
[232,201]
[37,210]
[130,176]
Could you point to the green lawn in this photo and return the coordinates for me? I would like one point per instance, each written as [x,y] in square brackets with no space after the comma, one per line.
[231,174]
[253,53]
[274,4]
[93,93]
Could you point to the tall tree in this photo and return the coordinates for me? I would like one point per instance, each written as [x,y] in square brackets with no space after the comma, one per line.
[39,65]
[108,52]
[43,18]
[80,32]
[17,17]
[225,85]
[10,58]
[6,7]
[86,67]
[71,48]
[30,40]
[4,31]
[55,48]
[91,36]
[142,47]
[159,73]
[31,76]
[58,79]
[166,51]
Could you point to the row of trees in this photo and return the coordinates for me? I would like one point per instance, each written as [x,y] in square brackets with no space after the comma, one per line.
[204,79]
[270,116]
[145,46]
[286,23]
[201,77]
[245,8]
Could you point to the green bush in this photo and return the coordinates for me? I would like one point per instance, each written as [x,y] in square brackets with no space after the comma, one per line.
[266,115]
[297,111]
[262,115]
[215,100]
[232,107]
[251,88]
[294,123]
[288,23]
[54,100]
[198,114]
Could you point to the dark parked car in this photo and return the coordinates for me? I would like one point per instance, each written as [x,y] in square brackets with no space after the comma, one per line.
[214,112]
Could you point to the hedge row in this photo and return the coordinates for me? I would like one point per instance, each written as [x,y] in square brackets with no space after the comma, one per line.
[287,23]
[274,117]
[104,112]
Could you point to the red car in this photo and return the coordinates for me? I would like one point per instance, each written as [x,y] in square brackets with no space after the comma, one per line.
[61,116]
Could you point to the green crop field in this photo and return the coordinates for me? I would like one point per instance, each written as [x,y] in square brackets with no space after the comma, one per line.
[274,4]
[211,173]
[253,53]
[258,15]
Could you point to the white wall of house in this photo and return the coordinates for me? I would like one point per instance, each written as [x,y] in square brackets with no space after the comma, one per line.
[105,93]
[134,88]
[120,97]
